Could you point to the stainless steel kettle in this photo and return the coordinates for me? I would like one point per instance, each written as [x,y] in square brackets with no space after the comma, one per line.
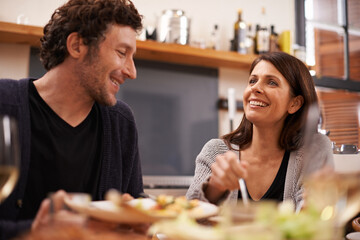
[173,27]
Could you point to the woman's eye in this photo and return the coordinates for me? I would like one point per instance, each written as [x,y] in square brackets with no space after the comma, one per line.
[252,81]
[272,82]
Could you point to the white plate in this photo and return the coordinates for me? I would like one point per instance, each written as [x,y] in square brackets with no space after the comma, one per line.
[203,210]
[107,211]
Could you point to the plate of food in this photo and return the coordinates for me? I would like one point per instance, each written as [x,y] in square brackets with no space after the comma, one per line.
[144,210]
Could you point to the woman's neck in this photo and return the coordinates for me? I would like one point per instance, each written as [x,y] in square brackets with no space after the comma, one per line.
[265,143]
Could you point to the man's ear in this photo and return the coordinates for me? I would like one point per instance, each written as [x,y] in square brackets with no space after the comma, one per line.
[296,104]
[75,45]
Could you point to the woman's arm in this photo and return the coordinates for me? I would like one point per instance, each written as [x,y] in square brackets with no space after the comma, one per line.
[203,168]
[217,172]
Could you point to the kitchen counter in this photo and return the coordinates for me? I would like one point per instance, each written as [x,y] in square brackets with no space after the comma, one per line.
[147,50]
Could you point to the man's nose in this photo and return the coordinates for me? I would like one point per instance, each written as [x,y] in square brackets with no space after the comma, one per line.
[130,69]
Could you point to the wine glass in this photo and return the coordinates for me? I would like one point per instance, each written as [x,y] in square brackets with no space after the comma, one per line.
[336,195]
[9,156]
[349,202]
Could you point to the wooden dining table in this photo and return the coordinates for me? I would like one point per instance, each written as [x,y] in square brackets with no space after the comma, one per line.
[74,226]
[95,229]
[91,229]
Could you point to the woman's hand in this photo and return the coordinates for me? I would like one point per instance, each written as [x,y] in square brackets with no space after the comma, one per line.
[225,174]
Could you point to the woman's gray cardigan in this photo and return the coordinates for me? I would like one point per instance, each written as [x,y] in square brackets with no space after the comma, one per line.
[321,155]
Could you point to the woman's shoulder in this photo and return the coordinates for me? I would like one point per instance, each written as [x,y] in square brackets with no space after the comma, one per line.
[216,142]
[324,146]
[215,145]
[322,139]
[321,146]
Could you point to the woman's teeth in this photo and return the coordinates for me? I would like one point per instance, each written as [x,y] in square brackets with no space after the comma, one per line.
[257,103]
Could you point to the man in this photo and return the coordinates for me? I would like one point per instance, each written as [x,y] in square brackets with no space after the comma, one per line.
[74,134]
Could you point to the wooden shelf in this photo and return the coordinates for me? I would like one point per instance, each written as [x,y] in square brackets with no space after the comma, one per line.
[183,54]
[21,34]
[148,50]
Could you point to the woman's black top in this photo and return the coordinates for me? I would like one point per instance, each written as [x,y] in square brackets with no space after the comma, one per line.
[276,190]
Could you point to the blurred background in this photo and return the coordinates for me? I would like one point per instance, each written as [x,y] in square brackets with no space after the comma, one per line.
[179,104]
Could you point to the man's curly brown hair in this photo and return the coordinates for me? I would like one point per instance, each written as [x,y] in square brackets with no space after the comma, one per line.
[90,19]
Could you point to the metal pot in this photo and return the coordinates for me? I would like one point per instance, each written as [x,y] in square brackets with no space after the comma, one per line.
[173,27]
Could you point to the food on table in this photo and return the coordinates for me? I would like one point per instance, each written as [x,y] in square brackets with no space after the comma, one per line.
[167,206]
[184,228]
[271,222]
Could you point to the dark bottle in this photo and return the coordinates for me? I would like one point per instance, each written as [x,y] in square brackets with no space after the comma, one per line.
[274,46]
[240,34]
[256,51]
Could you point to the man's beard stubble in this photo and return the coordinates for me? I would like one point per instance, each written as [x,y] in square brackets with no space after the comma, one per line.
[92,78]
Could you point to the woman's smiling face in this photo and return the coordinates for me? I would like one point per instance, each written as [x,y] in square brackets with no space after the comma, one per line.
[268,98]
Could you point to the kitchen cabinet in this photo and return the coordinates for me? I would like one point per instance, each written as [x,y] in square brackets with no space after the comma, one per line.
[146,50]
[340,116]
[329,38]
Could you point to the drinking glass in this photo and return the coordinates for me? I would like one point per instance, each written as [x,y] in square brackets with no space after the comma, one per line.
[335,195]
[9,156]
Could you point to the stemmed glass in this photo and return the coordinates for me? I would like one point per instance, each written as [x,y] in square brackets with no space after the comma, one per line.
[9,156]
[335,194]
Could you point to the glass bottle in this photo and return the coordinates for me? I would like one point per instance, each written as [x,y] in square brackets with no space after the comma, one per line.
[240,34]
[257,29]
[274,46]
[249,41]
[263,40]
[214,38]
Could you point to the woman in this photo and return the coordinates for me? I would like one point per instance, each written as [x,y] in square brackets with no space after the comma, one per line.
[268,141]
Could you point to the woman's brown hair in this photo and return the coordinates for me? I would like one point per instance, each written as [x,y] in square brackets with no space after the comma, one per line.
[90,19]
[301,84]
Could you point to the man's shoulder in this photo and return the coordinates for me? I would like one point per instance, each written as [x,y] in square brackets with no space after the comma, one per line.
[10,87]
[8,83]
[121,109]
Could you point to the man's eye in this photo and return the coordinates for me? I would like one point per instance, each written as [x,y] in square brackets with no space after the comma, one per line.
[121,53]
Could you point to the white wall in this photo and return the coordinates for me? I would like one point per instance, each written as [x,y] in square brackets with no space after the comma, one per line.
[205,13]
[14,59]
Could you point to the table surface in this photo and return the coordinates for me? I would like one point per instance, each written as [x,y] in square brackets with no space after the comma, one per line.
[89,231]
